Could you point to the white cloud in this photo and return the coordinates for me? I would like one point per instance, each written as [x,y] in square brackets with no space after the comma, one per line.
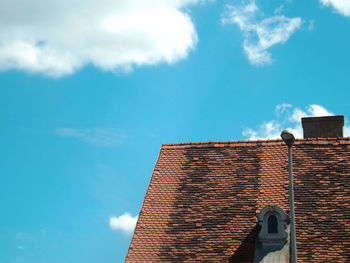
[287,117]
[23,236]
[340,6]
[278,9]
[57,38]
[20,247]
[267,130]
[346,131]
[260,35]
[281,108]
[125,223]
[311,25]
[108,137]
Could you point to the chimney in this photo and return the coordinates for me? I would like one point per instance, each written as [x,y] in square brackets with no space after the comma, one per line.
[328,126]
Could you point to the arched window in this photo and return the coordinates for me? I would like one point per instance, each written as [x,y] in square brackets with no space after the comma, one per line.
[272,224]
[272,235]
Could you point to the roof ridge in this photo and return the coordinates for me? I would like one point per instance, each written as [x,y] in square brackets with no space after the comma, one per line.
[345,140]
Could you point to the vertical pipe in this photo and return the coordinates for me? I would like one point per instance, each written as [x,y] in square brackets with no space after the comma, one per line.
[291,200]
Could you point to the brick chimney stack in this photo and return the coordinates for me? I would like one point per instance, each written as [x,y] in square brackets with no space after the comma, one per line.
[328,126]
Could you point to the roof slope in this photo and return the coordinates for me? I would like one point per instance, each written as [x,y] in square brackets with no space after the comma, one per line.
[203,198]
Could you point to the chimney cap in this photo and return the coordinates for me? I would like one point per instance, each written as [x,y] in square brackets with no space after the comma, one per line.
[337,118]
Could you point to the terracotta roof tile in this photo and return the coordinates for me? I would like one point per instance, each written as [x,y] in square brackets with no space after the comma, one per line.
[203,198]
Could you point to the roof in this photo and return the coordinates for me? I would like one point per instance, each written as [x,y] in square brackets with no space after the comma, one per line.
[203,199]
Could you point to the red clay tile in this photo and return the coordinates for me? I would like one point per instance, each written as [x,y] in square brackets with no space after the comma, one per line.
[203,198]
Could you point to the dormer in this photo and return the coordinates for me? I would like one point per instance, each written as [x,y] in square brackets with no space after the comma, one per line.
[272,235]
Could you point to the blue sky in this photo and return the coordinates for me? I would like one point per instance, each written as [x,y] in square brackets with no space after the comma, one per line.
[90,90]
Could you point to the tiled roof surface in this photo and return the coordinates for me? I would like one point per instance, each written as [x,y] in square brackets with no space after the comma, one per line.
[203,198]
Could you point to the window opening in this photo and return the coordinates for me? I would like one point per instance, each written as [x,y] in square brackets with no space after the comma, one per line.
[272,224]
